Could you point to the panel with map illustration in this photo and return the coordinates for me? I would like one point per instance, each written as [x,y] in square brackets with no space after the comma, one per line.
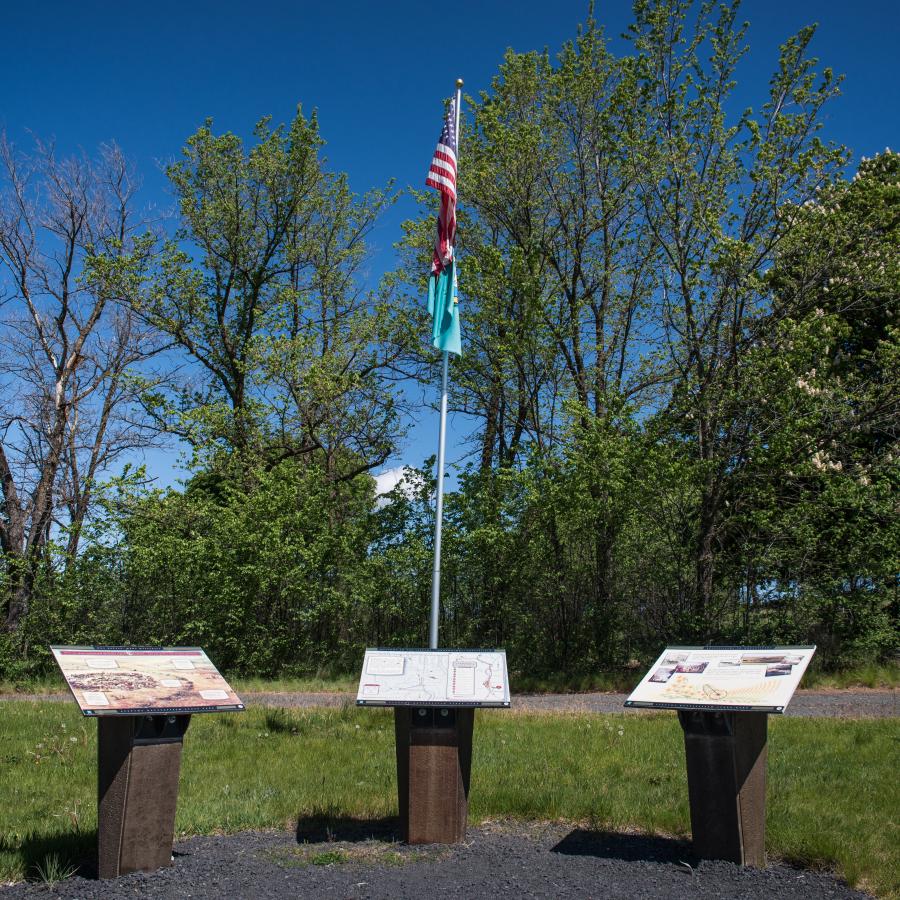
[761,679]
[434,678]
[137,680]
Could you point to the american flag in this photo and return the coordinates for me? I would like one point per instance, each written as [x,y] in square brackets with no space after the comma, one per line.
[442,177]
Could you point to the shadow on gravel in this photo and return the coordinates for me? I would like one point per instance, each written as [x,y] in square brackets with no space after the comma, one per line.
[45,857]
[321,829]
[629,847]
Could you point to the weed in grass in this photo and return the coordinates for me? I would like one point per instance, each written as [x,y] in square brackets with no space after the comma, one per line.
[279,721]
[71,813]
[60,745]
[52,870]
[328,858]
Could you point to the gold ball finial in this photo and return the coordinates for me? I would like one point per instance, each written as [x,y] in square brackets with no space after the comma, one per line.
[459,83]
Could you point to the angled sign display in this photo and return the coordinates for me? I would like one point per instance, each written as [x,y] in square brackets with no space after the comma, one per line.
[434,678]
[758,679]
[108,681]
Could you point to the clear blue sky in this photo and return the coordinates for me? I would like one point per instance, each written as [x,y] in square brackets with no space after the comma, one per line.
[147,74]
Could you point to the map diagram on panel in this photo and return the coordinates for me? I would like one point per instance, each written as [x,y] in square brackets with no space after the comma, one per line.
[434,678]
[737,678]
[132,680]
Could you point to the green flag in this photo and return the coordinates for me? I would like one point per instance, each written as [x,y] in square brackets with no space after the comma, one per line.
[443,304]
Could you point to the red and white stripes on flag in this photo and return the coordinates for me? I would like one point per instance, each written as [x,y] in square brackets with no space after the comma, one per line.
[442,177]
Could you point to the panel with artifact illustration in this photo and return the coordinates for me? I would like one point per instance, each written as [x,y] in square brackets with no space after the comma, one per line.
[136,680]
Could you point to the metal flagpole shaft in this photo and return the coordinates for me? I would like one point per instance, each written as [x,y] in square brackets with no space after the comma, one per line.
[439,512]
[442,440]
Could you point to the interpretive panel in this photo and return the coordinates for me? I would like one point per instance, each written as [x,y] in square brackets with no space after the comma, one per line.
[434,678]
[136,680]
[762,679]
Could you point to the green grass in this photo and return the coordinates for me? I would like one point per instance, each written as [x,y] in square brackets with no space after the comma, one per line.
[871,676]
[623,681]
[51,870]
[833,791]
[306,684]
[54,684]
[47,684]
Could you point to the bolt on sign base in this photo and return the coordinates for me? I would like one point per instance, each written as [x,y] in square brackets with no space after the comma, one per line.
[726,766]
[139,760]
[434,762]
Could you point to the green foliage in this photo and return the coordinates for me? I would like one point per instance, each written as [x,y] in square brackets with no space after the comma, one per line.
[624,248]
[681,362]
[260,290]
[260,567]
[52,870]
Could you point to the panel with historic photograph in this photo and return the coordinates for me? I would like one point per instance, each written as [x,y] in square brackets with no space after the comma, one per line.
[738,678]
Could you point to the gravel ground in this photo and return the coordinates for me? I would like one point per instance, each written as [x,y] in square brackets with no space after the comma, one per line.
[500,860]
[846,704]
[365,859]
[834,704]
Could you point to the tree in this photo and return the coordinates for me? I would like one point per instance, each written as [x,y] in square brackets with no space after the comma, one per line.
[555,264]
[712,195]
[266,572]
[819,499]
[289,356]
[70,346]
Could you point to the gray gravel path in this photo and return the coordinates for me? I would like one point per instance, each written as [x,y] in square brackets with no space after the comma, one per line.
[847,704]
[829,704]
[837,704]
[547,861]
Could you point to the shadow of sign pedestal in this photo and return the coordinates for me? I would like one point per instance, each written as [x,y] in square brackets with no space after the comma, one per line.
[723,696]
[143,699]
[434,694]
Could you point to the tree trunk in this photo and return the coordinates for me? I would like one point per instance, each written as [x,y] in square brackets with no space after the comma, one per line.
[22,574]
[704,567]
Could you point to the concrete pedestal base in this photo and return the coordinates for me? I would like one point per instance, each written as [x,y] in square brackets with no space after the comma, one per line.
[139,760]
[726,767]
[434,760]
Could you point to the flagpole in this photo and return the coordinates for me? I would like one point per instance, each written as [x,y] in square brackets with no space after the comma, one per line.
[442,440]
